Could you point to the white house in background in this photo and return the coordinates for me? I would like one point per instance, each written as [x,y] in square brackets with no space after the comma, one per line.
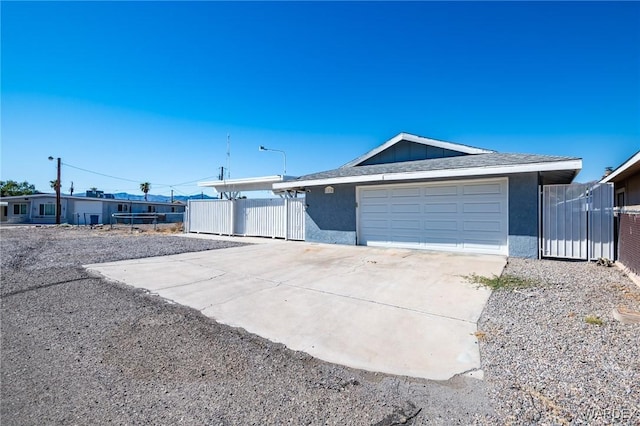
[41,209]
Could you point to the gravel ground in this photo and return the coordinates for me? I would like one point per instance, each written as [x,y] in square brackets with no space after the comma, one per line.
[77,349]
[545,364]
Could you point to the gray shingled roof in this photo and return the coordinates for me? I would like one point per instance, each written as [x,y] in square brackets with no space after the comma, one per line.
[493,159]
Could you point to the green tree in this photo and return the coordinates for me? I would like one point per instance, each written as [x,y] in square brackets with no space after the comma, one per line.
[11,187]
[145,187]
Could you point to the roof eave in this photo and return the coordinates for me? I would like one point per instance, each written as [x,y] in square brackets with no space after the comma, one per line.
[574,165]
[635,159]
[263,183]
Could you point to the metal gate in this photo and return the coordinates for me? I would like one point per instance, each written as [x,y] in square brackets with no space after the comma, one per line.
[274,217]
[577,221]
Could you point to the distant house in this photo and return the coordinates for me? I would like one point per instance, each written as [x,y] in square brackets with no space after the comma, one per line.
[41,209]
[416,192]
[626,181]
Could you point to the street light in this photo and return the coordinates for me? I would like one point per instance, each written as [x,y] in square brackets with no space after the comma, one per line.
[284,156]
[58,185]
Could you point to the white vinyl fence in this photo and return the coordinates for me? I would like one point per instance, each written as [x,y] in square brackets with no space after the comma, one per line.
[577,221]
[273,217]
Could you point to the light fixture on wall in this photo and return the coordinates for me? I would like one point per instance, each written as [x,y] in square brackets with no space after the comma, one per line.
[328,190]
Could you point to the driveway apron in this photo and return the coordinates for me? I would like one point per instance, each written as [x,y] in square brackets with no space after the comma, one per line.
[395,311]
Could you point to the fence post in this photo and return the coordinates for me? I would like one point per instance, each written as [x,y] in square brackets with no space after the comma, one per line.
[185,224]
[232,219]
[286,219]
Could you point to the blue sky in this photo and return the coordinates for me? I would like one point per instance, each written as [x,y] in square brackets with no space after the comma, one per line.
[148,91]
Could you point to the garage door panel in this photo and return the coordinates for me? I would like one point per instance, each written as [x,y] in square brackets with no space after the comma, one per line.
[466,216]
[440,225]
[375,193]
[482,225]
[493,207]
[441,190]
[406,208]
[441,208]
[435,242]
[483,189]
[376,224]
[406,224]
[408,238]
[375,208]
[484,245]
[406,192]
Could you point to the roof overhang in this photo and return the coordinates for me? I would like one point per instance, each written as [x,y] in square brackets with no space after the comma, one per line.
[570,165]
[421,140]
[263,183]
[631,166]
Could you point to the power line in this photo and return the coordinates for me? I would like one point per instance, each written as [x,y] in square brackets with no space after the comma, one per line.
[155,185]
[98,173]
[195,180]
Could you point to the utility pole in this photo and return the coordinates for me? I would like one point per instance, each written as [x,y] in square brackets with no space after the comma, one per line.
[172,196]
[221,177]
[58,186]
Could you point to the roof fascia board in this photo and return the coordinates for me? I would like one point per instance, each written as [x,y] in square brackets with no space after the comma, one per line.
[261,179]
[394,140]
[246,184]
[630,162]
[417,139]
[434,174]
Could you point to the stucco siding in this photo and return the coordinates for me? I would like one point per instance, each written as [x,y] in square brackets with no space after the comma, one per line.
[331,218]
[523,215]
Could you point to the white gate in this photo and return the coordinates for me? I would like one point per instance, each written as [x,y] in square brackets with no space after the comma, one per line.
[210,216]
[577,221]
[274,217]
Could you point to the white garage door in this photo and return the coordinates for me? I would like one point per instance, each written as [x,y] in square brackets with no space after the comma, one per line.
[464,216]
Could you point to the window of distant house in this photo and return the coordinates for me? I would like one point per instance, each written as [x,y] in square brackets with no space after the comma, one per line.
[173,209]
[47,209]
[620,198]
[123,208]
[5,210]
[20,209]
[151,209]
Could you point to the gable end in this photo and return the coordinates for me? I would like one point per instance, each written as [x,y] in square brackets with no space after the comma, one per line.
[409,151]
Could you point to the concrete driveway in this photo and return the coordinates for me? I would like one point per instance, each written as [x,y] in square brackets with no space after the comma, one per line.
[395,311]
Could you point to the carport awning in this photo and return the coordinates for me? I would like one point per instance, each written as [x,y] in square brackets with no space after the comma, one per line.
[263,183]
